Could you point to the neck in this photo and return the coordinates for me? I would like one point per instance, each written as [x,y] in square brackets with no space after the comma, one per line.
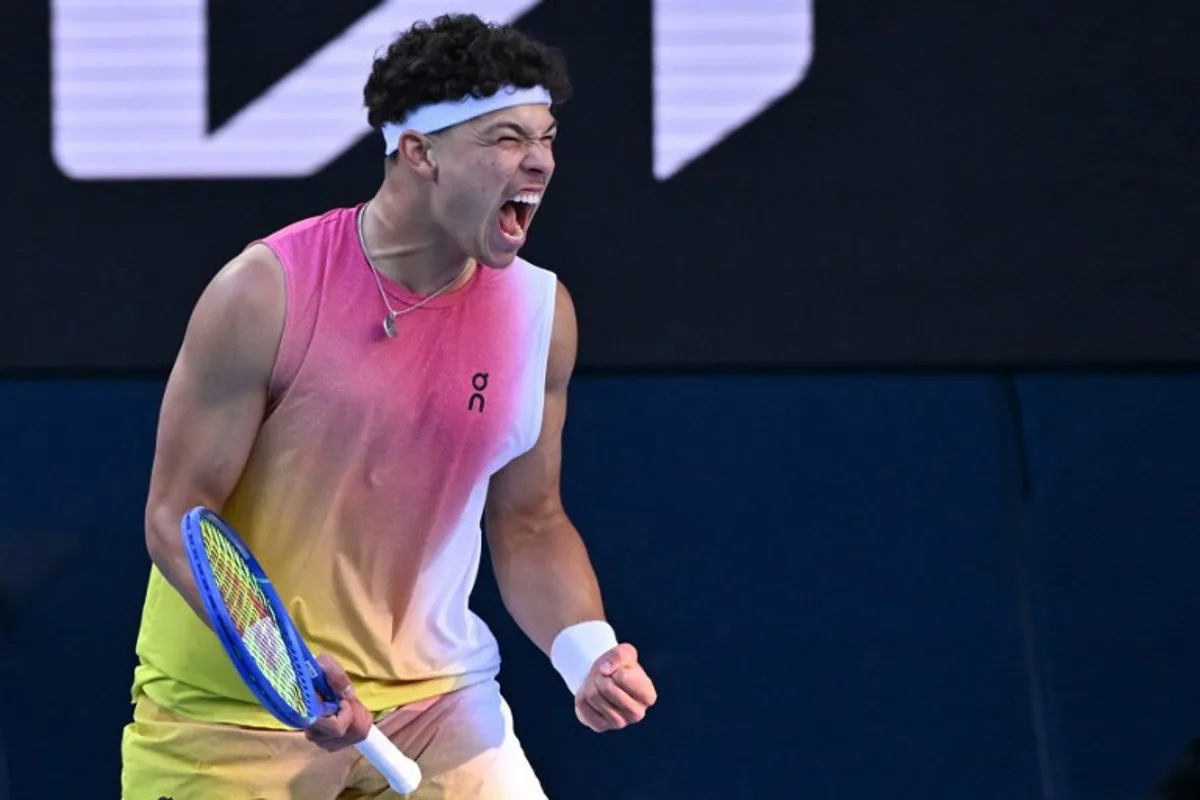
[405,247]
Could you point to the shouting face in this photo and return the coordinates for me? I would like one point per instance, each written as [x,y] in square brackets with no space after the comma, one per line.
[491,175]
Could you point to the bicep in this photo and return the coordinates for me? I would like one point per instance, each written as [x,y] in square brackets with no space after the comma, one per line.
[527,488]
[526,491]
[216,395]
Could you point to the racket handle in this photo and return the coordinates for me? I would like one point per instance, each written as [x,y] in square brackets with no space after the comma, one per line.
[401,772]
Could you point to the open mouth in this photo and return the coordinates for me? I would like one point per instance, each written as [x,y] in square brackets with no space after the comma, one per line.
[516,213]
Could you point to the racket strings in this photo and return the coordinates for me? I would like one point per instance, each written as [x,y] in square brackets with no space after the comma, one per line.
[252,615]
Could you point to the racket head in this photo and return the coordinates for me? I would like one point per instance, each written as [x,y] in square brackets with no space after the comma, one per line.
[251,622]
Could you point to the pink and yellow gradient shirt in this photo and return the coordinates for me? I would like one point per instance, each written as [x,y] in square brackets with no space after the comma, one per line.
[363,493]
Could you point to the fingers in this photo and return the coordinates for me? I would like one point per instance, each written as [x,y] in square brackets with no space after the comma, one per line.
[352,721]
[614,702]
[617,693]
[623,655]
[597,715]
[338,680]
[334,725]
[349,726]
[637,684]
[619,701]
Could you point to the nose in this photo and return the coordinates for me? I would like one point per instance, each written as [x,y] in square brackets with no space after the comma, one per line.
[539,159]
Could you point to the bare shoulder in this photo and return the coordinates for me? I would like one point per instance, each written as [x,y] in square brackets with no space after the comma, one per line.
[250,284]
[564,340]
[238,321]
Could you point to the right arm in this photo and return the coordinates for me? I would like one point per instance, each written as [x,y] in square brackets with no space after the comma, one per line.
[214,403]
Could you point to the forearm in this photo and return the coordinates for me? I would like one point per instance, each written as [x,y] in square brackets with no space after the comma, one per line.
[546,580]
[164,542]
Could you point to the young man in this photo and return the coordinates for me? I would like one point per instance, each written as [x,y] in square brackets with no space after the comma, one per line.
[354,393]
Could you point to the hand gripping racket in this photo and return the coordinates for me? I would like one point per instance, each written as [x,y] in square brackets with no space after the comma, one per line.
[263,642]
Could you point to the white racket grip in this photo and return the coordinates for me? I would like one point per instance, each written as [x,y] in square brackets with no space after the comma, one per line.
[400,771]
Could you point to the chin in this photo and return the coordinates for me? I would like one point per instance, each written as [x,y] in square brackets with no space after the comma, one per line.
[498,256]
[501,261]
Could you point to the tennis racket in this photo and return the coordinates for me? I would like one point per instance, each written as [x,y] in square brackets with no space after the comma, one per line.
[263,642]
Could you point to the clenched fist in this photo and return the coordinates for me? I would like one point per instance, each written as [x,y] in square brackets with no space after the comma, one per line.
[352,722]
[617,691]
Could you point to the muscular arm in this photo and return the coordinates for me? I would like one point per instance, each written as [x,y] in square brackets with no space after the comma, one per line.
[213,405]
[542,567]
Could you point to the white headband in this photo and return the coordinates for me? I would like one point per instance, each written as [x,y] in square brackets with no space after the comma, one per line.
[437,116]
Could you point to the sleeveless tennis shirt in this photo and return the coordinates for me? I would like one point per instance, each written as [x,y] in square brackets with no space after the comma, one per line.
[364,490]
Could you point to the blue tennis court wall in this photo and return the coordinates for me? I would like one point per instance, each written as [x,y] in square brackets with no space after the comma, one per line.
[845,586]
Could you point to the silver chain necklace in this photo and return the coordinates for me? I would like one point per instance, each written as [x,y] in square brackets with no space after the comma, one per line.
[389,322]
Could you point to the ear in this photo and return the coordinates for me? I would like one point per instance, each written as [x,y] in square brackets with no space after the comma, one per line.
[416,152]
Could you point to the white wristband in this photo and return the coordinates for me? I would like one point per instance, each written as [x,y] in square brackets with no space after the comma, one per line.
[576,648]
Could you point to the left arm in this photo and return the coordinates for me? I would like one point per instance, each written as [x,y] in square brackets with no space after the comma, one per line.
[542,569]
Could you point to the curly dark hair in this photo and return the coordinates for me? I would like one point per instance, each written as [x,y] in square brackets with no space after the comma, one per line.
[455,55]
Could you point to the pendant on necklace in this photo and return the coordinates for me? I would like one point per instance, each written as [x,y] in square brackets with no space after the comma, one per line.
[389,325]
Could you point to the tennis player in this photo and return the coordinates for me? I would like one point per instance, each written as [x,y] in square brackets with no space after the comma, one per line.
[356,393]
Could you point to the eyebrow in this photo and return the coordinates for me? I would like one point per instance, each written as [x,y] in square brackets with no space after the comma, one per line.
[520,129]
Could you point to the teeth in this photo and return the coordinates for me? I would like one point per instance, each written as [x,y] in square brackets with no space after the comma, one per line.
[529,198]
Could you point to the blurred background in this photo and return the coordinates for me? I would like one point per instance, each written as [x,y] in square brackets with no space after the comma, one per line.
[884,437]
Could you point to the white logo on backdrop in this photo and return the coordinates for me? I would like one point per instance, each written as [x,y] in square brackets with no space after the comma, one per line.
[130,80]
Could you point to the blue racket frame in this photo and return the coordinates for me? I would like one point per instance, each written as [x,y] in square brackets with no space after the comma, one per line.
[319,697]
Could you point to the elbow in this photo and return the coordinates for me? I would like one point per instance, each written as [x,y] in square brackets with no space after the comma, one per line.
[164,543]
[516,540]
